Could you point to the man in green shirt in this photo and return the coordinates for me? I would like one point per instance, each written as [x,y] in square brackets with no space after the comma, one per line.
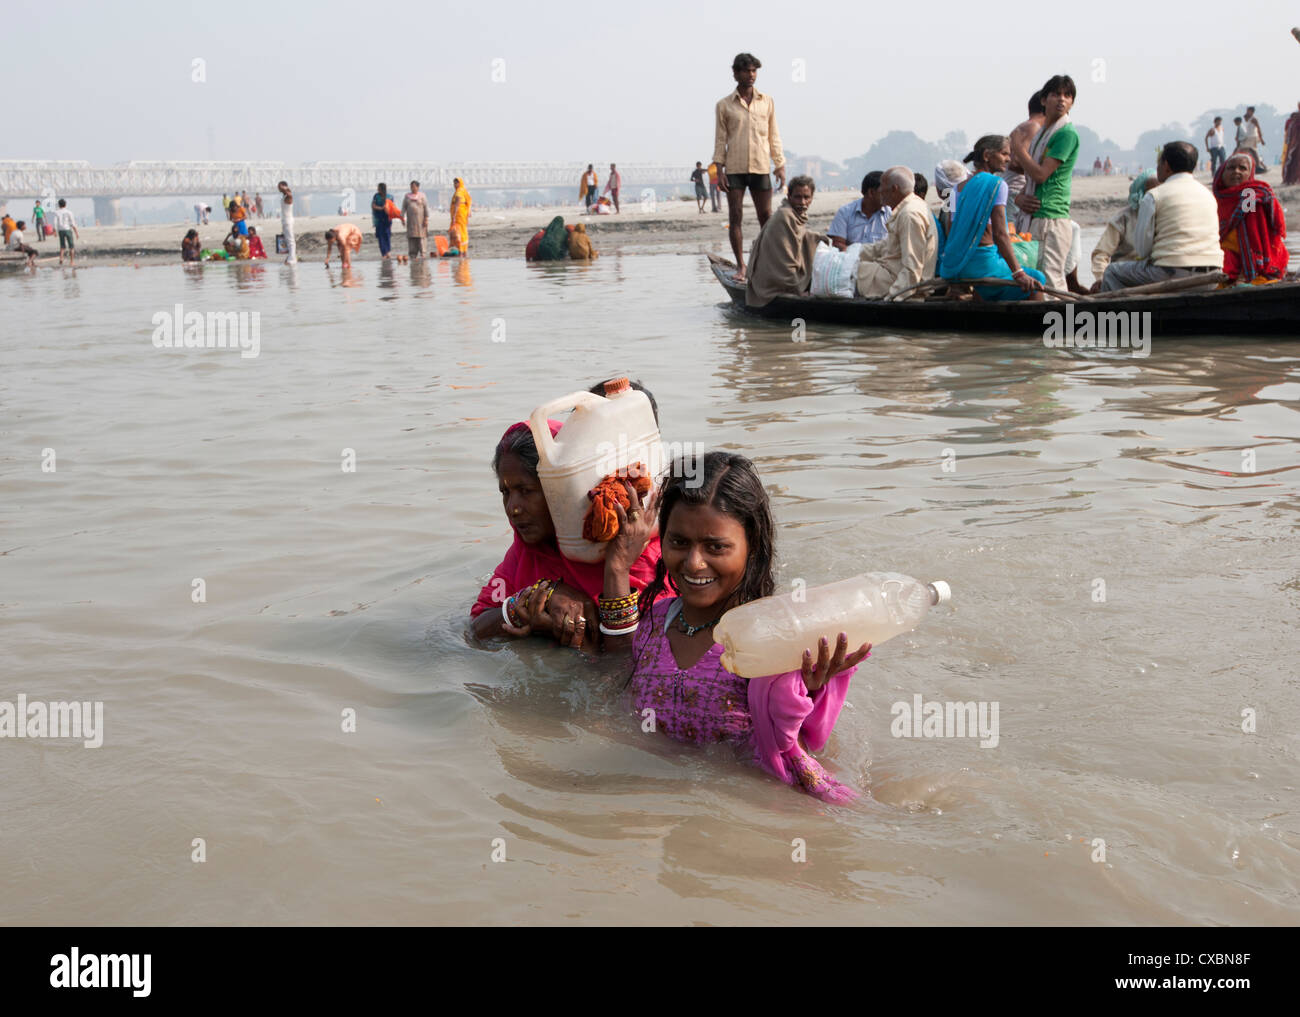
[38,220]
[1048,163]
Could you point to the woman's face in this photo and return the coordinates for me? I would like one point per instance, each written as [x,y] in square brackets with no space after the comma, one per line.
[996,162]
[1236,171]
[523,500]
[705,552]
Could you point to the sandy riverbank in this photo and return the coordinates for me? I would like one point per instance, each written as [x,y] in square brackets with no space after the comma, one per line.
[502,233]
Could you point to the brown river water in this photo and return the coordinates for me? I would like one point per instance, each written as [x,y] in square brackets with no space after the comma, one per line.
[1120,535]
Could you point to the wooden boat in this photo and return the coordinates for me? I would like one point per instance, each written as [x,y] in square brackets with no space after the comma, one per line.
[1272,310]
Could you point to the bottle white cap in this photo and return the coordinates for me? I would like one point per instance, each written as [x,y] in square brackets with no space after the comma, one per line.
[942,591]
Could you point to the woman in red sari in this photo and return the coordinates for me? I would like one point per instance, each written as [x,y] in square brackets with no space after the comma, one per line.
[558,595]
[1252,230]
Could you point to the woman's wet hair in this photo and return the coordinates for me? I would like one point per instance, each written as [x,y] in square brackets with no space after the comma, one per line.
[729,484]
[518,442]
[988,143]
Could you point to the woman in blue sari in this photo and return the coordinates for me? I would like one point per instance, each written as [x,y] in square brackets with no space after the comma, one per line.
[978,245]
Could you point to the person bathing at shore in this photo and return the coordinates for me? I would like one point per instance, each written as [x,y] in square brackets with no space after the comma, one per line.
[746,149]
[65,224]
[1177,227]
[1048,164]
[17,245]
[458,233]
[907,254]
[718,553]
[978,245]
[781,259]
[861,221]
[190,246]
[1252,227]
[1118,239]
[415,211]
[255,248]
[236,244]
[286,222]
[348,238]
[380,220]
[535,589]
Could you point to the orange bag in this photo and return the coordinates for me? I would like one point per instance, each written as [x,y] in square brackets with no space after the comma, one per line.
[393,211]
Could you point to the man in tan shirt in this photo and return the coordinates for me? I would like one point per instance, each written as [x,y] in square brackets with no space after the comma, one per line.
[746,148]
[907,254]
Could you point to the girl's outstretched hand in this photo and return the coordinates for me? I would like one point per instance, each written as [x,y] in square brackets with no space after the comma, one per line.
[636,525]
[828,665]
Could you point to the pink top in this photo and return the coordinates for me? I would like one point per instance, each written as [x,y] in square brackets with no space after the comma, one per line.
[707,703]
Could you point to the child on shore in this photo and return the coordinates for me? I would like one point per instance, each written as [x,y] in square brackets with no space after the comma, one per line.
[717,553]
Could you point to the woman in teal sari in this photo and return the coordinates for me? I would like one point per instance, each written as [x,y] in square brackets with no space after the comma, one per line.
[978,245]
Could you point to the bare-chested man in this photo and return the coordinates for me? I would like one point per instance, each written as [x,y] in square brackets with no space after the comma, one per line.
[747,149]
[1015,174]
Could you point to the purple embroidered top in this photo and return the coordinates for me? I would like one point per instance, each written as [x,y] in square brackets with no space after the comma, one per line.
[707,703]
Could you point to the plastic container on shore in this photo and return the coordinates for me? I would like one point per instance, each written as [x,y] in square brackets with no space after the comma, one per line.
[768,636]
[603,434]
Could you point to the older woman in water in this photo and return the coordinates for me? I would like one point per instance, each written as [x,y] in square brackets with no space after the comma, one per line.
[536,590]
[1252,228]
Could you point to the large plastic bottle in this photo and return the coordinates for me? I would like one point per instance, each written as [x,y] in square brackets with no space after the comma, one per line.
[602,435]
[768,636]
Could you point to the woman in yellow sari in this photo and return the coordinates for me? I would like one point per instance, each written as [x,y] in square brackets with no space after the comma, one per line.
[459,231]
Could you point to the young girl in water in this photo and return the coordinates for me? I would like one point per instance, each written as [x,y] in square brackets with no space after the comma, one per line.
[717,540]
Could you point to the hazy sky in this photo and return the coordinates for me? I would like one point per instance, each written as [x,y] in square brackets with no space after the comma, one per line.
[604,81]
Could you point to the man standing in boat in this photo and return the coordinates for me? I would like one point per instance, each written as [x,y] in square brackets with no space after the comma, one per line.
[746,148]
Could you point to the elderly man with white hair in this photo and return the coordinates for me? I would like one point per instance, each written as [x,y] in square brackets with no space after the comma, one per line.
[908,253]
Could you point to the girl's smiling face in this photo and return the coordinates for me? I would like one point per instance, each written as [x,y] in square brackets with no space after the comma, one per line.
[705,552]
[523,500]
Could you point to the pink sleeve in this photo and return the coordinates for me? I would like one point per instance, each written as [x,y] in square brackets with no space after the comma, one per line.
[781,709]
[489,597]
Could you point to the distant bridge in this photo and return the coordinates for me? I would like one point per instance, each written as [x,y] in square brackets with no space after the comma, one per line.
[108,185]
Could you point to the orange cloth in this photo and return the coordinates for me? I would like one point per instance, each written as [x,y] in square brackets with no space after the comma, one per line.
[601,521]
[393,211]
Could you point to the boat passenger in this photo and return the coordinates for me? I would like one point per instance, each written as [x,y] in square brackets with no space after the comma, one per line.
[781,259]
[1116,243]
[862,220]
[1177,227]
[1252,227]
[907,254]
[978,245]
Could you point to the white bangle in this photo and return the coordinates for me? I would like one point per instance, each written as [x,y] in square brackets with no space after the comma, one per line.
[618,632]
[505,612]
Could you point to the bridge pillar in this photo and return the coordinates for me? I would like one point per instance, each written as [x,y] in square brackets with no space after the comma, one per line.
[108,211]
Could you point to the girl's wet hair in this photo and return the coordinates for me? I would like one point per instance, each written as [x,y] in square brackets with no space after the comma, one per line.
[727,483]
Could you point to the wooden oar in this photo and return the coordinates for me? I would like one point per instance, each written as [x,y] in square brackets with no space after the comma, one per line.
[1182,282]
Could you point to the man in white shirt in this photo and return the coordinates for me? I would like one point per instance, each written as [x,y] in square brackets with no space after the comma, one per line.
[907,254]
[1177,228]
[66,226]
[1254,136]
[1214,145]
